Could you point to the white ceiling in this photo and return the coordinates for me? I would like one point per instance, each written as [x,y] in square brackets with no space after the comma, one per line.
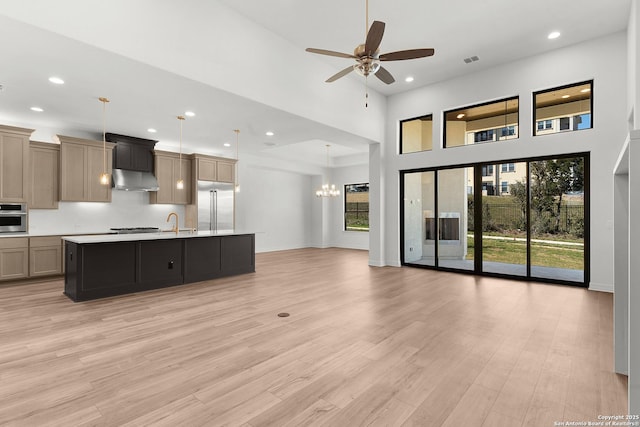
[497,31]
[144,96]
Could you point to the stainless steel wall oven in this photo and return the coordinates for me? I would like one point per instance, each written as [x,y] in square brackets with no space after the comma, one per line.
[13,218]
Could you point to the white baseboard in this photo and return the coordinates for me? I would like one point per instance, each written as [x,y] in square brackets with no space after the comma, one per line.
[600,287]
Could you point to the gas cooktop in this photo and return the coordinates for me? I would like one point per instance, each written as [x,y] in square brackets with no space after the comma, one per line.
[133,230]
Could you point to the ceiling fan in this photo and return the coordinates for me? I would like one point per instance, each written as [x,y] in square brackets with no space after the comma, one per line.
[367,55]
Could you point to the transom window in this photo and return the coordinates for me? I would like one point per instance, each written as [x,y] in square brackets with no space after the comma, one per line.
[416,134]
[483,123]
[563,109]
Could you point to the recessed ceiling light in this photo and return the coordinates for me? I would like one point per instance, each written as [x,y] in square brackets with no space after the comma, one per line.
[585,90]
[189,113]
[151,130]
[37,109]
[553,35]
[269,133]
[459,116]
[226,144]
[409,79]
[56,80]
[565,96]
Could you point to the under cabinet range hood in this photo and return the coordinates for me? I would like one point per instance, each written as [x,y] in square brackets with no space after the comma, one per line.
[133,163]
[129,180]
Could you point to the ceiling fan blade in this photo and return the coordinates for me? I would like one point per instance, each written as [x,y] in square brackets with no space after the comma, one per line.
[329,52]
[406,54]
[340,74]
[374,37]
[385,76]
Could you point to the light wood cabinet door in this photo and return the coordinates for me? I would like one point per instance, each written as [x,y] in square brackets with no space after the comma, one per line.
[73,173]
[226,172]
[44,165]
[168,171]
[97,192]
[14,258]
[164,175]
[182,168]
[45,256]
[14,165]
[216,169]
[207,170]
[81,163]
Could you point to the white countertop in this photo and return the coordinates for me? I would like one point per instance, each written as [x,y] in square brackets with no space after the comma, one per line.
[163,235]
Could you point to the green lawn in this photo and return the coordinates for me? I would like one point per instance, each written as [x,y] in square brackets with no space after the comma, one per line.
[542,254]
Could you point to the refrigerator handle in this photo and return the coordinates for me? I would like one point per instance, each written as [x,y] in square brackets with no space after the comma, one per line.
[214,223]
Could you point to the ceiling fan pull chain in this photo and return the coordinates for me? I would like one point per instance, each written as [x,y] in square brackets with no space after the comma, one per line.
[366,92]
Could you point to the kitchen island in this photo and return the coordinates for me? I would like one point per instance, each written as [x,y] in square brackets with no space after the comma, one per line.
[99,266]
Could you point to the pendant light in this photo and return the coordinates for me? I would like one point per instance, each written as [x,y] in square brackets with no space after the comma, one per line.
[104,176]
[180,182]
[328,190]
[237,131]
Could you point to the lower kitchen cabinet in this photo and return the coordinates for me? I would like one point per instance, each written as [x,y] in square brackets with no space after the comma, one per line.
[108,268]
[203,260]
[14,258]
[160,262]
[45,256]
[99,270]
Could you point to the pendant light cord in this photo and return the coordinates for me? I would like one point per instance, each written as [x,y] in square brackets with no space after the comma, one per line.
[237,131]
[181,118]
[104,134]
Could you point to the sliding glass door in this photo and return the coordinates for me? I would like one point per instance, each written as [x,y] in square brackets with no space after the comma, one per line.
[525,218]
[504,220]
[558,218]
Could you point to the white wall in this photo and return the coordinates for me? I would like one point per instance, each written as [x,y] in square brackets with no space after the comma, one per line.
[276,204]
[563,66]
[633,67]
[338,237]
[127,209]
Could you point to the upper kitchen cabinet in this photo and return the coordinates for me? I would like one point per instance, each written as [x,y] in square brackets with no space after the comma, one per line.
[44,170]
[81,163]
[132,153]
[215,169]
[168,169]
[14,163]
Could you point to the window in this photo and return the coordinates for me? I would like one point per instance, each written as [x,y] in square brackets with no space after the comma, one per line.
[508,167]
[487,170]
[356,207]
[416,134]
[563,109]
[545,125]
[530,224]
[483,123]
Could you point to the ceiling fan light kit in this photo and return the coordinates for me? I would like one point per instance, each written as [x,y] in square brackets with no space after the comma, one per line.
[367,55]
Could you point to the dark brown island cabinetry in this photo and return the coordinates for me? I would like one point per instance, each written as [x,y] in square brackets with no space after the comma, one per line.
[107,268]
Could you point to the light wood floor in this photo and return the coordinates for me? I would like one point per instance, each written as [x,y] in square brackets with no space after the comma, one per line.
[363,346]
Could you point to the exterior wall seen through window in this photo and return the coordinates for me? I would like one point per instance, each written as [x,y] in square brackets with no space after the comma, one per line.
[416,134]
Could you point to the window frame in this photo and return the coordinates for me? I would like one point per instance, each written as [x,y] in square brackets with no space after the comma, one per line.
[344,208]
[535,120]
[401,122]
[497,131]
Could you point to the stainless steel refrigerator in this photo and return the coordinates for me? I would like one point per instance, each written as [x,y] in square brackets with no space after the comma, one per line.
[215,206]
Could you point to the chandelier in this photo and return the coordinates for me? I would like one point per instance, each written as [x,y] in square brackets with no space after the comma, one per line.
[328,190]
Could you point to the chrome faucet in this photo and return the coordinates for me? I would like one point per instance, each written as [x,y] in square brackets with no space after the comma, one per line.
[175,228]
